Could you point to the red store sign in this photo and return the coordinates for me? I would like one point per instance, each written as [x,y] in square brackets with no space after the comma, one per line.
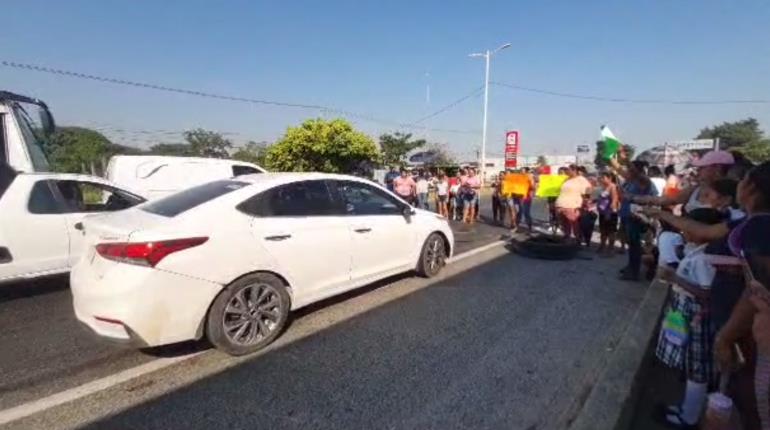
[511,149]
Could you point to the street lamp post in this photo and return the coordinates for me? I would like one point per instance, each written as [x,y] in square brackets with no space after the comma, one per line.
[487,55]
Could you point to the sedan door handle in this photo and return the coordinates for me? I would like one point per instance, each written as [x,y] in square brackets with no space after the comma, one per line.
[363,230]
[278,237]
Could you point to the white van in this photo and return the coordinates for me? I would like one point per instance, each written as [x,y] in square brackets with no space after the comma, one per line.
[154,176]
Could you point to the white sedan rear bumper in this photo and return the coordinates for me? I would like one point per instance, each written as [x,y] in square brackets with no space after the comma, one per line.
[139,305]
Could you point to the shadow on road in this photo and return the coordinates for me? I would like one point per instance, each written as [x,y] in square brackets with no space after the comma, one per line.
[23,289]
[502,345]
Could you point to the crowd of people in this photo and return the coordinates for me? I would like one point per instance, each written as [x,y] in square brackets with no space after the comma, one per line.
[703,233]
[707,237]
[455,197]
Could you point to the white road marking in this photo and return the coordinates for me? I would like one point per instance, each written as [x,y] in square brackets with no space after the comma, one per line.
[35,406]
[30,408]
[475,251]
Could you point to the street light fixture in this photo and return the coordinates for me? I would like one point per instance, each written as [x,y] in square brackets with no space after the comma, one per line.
[486,55]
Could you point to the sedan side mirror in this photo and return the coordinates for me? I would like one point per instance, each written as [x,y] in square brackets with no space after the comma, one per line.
[407,211]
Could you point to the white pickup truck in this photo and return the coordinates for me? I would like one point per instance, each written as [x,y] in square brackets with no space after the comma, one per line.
[40,215]
[39,211]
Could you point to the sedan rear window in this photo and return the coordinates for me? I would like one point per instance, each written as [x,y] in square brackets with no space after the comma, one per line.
[185,200]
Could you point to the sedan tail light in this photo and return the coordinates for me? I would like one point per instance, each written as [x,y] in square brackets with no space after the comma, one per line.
[146,253]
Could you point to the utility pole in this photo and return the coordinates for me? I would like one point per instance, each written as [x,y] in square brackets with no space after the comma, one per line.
[427,104]
[487,55]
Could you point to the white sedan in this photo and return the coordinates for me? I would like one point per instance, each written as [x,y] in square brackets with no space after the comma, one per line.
[229,259]
[39,217]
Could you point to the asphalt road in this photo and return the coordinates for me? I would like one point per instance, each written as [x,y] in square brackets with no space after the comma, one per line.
[45,350]
[497,341]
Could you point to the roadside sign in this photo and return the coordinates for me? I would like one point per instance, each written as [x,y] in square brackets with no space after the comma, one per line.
[583,149]
[688,145]
[511,149]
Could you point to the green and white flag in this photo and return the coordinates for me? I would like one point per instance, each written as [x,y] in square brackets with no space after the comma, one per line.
[611,143]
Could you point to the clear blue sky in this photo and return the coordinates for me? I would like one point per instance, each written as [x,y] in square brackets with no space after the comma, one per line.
[371,57]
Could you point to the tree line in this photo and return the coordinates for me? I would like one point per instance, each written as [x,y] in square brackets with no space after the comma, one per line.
[333,146]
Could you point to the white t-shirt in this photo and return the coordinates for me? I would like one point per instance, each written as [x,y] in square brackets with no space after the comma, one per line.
[696,269]
[660,185]
[442,187]
[668,243]
[422,186]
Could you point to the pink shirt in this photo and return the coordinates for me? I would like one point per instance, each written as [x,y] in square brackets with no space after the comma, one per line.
[404,186]
[571,194]
[472,182]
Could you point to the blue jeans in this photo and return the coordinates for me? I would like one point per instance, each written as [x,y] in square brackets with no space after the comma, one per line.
[422,200]
[523,209]
[458,209]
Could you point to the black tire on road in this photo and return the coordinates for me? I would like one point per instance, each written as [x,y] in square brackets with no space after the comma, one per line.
[432,256]
[248,314]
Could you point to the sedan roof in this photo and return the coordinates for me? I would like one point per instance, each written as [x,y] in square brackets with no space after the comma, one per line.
[258,178]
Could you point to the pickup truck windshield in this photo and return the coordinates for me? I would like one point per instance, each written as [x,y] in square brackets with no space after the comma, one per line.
[32,133]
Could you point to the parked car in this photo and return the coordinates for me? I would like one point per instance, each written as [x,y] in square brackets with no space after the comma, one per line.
[39,218]
[156,176]
[229,259]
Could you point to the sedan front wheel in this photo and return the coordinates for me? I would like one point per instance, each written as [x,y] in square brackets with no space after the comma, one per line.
[432,257]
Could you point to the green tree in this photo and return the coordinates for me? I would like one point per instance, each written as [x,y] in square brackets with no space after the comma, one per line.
[205,143]
[734,134]
[744,136]
[253,152]
[325,146]
[394,147]
[541,160]
[175,149]
[115,149]
[76,149]
[757,151]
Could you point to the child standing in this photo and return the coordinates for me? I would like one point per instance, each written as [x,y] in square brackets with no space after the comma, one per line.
[687,333]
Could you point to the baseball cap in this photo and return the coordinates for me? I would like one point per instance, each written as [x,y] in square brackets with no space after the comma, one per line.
[712,158]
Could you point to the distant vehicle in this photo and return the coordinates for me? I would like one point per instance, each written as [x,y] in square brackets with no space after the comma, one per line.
[229,259]
[39,219]
[156,176]
[25,123]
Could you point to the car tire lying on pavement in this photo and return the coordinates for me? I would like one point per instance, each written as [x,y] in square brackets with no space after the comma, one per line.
[432,256]
[545,247]
[248,314]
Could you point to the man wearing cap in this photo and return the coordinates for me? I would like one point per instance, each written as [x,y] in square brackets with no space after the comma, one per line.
[712,166]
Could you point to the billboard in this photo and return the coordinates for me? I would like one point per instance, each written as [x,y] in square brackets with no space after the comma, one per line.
[511,149]
[694,144]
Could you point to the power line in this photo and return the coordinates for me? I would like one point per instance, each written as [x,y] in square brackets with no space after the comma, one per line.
[117,81]
[630,100]
[475,93]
